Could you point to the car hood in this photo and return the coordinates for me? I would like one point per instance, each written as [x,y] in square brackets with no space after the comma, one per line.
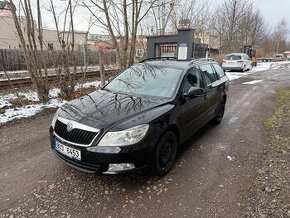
[102,109]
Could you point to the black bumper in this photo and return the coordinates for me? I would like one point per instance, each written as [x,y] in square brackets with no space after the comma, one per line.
[97,161]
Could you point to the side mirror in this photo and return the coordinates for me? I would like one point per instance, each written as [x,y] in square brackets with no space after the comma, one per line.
[193,92]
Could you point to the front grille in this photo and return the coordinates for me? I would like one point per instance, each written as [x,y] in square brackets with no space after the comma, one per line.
[77,136]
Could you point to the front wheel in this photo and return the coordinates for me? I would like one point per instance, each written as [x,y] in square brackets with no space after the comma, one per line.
[219,117]
[165,154]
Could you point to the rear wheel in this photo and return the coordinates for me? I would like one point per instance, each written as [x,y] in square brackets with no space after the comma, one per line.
[219,117]
[165,154]
[244,68]
[251,67]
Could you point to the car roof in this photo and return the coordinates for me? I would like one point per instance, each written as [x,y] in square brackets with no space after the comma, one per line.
[236,54]
[179,64]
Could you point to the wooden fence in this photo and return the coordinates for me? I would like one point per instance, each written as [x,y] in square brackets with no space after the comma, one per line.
[13,59]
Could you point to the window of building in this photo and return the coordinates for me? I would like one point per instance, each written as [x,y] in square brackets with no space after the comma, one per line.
[50,46]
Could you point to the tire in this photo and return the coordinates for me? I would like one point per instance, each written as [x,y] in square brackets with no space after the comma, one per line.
[219,117]
[244,69]
[164,154]
[251,67]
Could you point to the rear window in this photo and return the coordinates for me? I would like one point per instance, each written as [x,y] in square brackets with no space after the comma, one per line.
[233,57]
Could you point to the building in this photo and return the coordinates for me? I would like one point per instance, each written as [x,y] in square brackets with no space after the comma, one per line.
[211,40]
[99,41]
[98,37]
[9,38]
[4,9]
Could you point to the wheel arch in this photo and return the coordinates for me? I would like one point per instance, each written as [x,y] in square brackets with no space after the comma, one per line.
[174,128]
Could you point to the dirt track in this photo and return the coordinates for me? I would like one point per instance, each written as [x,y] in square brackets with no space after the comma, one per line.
[211,177]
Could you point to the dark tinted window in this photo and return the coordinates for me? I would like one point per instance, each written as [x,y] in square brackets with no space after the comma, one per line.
[233,57]
[193,78]
[210,74]
[219,70]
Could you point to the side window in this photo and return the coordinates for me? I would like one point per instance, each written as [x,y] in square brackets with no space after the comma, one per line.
[219,70]
[209,73]
[193,78]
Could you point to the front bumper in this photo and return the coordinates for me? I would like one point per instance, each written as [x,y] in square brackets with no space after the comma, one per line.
[98,160]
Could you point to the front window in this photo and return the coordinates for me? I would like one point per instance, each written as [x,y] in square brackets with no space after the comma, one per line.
[194,79]
[146,80]
[219,70]
[209,73]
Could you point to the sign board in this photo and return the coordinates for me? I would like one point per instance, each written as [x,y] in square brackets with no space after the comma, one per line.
[182,51]
[139,53]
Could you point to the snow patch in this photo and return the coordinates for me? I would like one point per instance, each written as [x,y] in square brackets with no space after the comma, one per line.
[32,109]
[258,68]
[252,82]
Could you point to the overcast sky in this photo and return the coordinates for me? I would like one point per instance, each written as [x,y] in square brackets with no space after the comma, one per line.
[272,10]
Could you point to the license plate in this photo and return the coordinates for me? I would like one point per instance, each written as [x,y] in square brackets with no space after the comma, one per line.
[68,151]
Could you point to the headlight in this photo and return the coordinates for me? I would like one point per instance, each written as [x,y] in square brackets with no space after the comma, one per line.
[125,137]
[54,119]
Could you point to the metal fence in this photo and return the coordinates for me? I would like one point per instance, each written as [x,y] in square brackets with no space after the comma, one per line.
[13,59]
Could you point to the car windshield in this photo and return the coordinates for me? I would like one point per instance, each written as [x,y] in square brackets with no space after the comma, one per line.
[147,80]
[233,57]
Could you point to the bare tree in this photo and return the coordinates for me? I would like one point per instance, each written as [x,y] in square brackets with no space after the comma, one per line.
[121,19]
[30,43]
[237,23]
[279,36]
[159,17]
[170,15]
[276,42]
[195,13]
[66,40]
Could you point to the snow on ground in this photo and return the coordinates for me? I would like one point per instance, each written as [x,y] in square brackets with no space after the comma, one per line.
[252,82]
[55,101]
[235,75]
[260,67]
[32,109]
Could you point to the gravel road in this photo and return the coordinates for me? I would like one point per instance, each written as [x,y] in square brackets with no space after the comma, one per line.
[210,179]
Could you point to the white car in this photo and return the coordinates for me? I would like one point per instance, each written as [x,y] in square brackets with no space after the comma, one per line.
[237,61]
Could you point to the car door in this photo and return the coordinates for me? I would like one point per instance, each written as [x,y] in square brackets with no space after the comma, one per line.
[193,109]
[212,86]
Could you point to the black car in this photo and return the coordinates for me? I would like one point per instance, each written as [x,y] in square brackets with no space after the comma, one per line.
[141,117]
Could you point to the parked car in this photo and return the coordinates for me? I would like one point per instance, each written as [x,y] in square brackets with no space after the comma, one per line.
[237,61]
[140,118]
[279,57]
[205,59]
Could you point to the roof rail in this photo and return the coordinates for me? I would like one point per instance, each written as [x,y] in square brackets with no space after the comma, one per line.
[158,58]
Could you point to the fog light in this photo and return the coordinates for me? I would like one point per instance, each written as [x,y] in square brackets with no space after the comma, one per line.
[120,167]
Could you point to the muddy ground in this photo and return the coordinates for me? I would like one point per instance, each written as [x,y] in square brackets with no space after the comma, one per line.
[218,173]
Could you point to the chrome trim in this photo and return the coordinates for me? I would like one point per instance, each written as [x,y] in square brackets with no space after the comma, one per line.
[80,126]
[77,125]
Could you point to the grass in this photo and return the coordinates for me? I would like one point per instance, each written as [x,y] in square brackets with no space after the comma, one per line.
[272,184]
[281,114]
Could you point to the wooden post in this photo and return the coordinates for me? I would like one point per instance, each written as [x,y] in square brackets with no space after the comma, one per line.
[102,71]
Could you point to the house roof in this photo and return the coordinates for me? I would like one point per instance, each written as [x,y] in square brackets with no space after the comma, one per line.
[2,5]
